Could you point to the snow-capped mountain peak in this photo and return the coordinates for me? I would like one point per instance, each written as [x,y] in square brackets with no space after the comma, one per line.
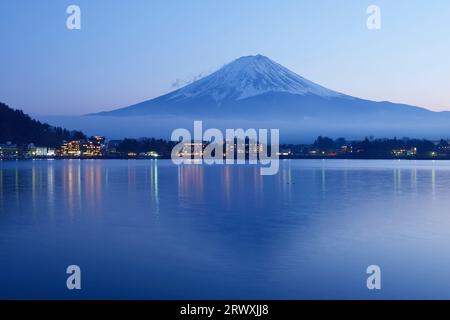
[250,76]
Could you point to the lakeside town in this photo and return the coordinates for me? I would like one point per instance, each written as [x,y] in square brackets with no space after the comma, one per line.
[98,147]
[22,138]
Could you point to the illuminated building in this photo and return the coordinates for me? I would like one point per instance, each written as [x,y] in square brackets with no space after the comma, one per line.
[9,150]
[235,149]
[91,149]
[71,149]
[152,154]
[346,149]
[284,153]
[51,152]
[39,152]
[192,149]
[85,148]
[256,148]
[404,152]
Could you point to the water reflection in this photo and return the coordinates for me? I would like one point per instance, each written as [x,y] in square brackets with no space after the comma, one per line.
[234,185]
[91,174]
[72,185]
[324,178]
[34,179]
[419,177]
[433,180]
[258,186]
[1,187]
[50,188]
[154,188]
[310,227]
[226,183]
[190,183]
[82,185]
[17,185]
[286,180]
[397,179]
[414,178]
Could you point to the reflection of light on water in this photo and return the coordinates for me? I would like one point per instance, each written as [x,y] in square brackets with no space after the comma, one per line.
[69,182]
[414,178]
[286,179]
[190,181]
[82,184]
[72,184]
[33,186]
[345,179]
[79,180]
[89,183]
[154,184]
[50,180]
[433,179]
[98,186]
[227,184]
[17,187]
[107,178]
[193,161]
[17,179]
[50,189]
[92,176]
[1,187]
[397,179]
[90,180]
[179,180]
[258,185]
[1,183]
[324,178]
[131,176]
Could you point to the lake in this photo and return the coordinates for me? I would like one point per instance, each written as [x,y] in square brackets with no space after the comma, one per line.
[148,229]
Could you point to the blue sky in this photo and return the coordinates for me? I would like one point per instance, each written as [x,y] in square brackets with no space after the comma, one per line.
[129,51]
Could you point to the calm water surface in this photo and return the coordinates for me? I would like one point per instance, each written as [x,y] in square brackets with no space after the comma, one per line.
[150,229]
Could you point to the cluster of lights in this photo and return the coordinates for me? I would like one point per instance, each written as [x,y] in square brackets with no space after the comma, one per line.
[77,148]
[404,152]
[196,149]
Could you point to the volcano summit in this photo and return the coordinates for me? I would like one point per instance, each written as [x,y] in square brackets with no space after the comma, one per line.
[255,88]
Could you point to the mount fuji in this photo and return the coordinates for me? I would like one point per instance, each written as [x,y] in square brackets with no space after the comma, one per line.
[254,91]
[247,85]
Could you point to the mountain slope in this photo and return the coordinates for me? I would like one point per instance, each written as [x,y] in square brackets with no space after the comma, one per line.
[248,77]
[19,128]
[255,87]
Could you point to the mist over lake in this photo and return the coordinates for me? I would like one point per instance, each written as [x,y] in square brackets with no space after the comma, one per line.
[291,131]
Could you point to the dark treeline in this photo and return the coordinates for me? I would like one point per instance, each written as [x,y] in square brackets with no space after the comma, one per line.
[384,147]
[321,147]
[19,128]
[381,147]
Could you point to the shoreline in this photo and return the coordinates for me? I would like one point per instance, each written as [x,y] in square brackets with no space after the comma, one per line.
[281,158]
